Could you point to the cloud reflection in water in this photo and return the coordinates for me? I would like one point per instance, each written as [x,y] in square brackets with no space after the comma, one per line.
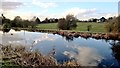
[86,56]
[43,38]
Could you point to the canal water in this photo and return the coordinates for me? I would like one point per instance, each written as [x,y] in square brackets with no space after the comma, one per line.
[87,52]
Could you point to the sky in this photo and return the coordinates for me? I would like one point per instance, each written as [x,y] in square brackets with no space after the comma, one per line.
[82,10]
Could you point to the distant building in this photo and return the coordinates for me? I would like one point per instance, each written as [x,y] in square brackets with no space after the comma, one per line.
[36,20]
[101,20]
[98,20]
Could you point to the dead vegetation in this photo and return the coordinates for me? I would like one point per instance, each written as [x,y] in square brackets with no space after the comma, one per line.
[22,57]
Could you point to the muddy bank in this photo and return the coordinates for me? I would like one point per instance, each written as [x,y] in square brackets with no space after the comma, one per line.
[106,36]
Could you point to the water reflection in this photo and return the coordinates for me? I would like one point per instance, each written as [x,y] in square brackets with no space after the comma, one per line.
[43,38]
[69,38]
[6,30]
[86,56]
[90,52]
[116,50]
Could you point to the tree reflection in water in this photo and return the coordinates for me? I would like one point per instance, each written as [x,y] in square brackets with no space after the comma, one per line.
[116,50]
[69,38]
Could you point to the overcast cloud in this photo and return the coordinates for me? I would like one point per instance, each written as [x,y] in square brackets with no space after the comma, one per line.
[11,5]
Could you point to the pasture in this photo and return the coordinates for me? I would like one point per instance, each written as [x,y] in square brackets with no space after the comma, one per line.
[96,27]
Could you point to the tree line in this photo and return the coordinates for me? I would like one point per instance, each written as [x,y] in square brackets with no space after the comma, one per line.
[63,23]
[68,23]
[19,22]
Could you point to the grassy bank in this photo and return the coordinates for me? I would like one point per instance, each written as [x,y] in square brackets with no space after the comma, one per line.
[96,27]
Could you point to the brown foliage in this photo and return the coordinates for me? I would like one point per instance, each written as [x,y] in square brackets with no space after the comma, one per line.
[24,58]
[113,25]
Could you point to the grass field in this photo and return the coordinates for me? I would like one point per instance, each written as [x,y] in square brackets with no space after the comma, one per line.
[96,27]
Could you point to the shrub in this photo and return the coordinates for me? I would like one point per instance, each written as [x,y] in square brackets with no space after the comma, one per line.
[67,23]
[113,25]
[89,27]
[62,24]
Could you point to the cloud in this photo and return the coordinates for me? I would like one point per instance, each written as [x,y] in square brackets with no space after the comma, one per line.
[70,54]
[12,13]
[79,0]
[43,4]
[107,15]
[16,1]
[1,11]
[10,5]
[10,0]
[78,11]
[86,56]
[81,13]
[9,9]
[85,14]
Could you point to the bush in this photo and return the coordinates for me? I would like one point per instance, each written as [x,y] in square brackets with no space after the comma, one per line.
[68,23]
[113,25]
[62,24]
[6,27]
[89,27]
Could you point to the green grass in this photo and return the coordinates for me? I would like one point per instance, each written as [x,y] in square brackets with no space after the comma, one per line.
[47,26]
[96,27]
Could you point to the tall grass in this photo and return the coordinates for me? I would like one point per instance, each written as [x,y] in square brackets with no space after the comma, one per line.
[21,57]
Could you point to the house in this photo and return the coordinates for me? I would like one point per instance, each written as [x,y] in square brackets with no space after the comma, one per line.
[101,20]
